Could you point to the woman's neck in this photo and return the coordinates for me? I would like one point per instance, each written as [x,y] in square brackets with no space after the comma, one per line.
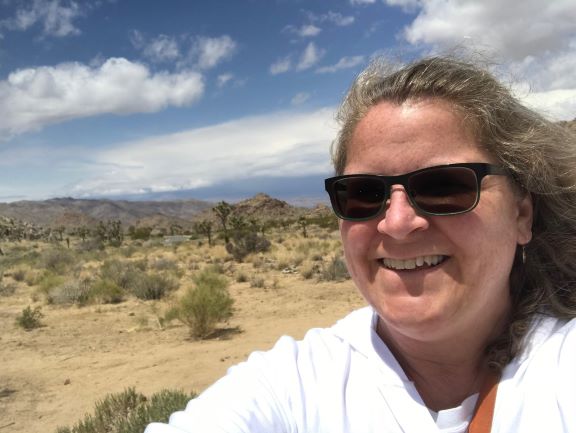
[445,373]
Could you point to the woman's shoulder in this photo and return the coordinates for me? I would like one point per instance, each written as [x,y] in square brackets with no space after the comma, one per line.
[550,341]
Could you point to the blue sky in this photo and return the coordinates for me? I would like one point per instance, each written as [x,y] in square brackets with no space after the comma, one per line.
[221,99]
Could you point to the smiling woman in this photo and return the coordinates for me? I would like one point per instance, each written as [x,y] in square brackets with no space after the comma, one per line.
[458,221]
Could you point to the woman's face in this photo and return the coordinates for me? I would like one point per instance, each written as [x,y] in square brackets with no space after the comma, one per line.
[469,288]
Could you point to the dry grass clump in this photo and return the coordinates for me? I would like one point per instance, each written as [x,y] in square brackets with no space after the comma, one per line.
[130,412]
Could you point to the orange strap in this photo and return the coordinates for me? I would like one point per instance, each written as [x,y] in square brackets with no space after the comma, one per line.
[482,419]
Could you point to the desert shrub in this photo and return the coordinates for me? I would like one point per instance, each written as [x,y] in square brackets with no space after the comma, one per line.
[334,270]
[153,286]
[91,245]
[206,304]
[7,289]
[310,247]
[19,256]
[257,281]
[19,274]
[30,318]
[58,260]
[211,276]
[105,291]
[130,412]
[70,292]
[164,264]
[309,270]
[141,265]
[245,243]
[241,277]
[48,280]
[129,250]
[124,274]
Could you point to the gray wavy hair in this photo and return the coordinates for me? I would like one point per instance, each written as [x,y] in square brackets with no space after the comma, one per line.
[539,155]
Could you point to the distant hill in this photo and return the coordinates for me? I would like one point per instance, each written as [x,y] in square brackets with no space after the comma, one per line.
[70,212]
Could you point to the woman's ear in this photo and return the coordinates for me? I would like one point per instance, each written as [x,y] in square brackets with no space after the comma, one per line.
[525,217]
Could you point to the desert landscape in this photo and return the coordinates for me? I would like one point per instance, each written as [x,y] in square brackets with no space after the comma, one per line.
[93,340]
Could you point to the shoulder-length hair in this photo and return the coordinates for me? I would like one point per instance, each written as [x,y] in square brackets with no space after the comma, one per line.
[539,155]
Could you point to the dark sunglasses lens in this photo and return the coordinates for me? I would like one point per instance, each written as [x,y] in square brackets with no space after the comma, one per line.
[444,190]
[359,197]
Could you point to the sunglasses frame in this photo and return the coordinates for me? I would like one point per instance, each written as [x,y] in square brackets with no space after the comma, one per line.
[480,169]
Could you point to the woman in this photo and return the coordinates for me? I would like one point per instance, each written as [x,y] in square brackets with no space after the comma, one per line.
[458,221]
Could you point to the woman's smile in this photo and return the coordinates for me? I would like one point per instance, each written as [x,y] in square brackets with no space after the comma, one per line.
[416,263]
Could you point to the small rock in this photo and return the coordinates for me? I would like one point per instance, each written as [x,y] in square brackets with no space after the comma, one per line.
[67,382]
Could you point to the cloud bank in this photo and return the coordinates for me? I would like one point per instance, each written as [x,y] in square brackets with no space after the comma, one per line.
[279,144]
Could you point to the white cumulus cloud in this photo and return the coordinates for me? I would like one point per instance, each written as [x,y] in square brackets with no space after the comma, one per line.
[514,29]
[34,97]
[535,42]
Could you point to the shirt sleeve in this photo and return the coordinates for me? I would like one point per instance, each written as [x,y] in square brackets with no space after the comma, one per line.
[261,395]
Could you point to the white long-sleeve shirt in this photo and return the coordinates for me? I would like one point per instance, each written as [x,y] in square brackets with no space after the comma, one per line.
[344,379]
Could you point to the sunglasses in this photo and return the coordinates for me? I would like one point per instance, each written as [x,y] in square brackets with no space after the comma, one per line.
[440,190]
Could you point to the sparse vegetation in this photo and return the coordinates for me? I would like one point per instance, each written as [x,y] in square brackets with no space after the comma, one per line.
[30,318]
[148,289]
[130,412]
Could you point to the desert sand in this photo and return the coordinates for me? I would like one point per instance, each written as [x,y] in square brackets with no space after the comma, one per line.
[52,376]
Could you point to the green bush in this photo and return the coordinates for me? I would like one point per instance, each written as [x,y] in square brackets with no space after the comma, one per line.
[130,412]
[335,270]
[247,242]
[48,280]
[124,274]
[58,260]
[206,304]
[153,286]
[30,318]
[105,291]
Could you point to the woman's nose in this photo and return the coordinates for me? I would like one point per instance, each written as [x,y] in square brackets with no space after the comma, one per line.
[400,219]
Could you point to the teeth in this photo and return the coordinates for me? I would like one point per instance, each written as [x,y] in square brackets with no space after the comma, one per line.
[412,263]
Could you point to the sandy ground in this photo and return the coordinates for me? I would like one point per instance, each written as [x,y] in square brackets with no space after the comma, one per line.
[53,375]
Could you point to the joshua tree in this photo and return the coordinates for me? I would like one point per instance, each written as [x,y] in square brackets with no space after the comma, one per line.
[303,223]
[238,223]
[223,211]
[204,228]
